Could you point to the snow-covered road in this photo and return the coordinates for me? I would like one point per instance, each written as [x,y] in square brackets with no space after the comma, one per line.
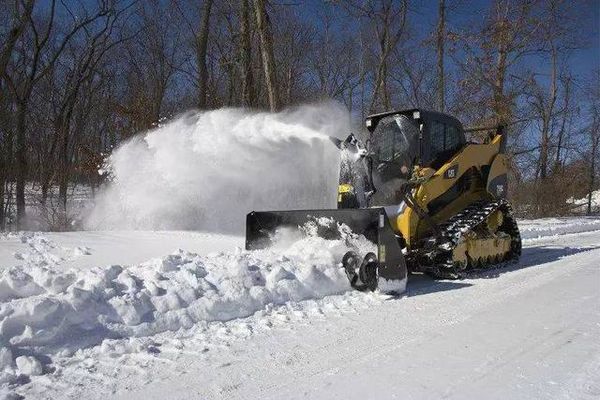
[531,333]
[525,331]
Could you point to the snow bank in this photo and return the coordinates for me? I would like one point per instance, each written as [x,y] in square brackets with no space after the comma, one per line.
[47,311]
[205,171]
[544,227]
[582,203]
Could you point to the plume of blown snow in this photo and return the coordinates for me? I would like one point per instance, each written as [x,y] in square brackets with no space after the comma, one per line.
[206,170]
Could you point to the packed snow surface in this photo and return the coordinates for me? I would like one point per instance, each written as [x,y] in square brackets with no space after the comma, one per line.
[207,320]
[205,171]
[47,310]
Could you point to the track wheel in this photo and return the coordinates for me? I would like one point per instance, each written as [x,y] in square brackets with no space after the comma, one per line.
[460,265]
[497,259]
[489,260]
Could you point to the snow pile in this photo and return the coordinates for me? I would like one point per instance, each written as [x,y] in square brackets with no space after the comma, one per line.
[205,171]
[47,311]
[582,203]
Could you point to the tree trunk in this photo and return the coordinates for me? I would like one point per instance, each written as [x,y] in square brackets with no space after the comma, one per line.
[543,168]
[441,31]
[64,174]
[266,48]
[21,158]
[8,172]
[500,107]
[549,113]
[388,41]
[290,83]
[201,50]
[49,170]
[4,160]
[64,157]
[379,80]
[387,103]
[229,68]
[246,55]
[561,132]
[13,35]
[2,183]
[592,175]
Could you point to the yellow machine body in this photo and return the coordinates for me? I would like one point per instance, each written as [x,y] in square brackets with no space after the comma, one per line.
[473,159]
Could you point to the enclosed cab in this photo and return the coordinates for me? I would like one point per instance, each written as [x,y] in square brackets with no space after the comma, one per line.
[431,139]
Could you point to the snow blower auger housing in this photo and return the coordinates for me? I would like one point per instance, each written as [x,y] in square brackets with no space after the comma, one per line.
[387,269]
[431,201]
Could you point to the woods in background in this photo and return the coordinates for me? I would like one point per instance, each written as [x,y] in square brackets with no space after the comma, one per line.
[78,77]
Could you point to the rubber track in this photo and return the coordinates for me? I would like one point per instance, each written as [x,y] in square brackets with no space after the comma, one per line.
[440,249]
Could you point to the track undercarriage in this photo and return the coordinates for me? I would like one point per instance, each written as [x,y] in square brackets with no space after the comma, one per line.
[484,234]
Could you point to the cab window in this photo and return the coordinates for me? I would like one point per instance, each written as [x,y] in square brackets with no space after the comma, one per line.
[453,137]
[393,138]
[436,136]
[444,141]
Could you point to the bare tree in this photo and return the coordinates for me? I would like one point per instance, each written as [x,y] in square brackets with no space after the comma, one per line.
[201,52]
[94,48]
[246,55]
[595,140]
[556,34]
[37,61]
[388,18]
[72,88]
[334,63]
[263,24]
[440,39]
[593,130]
[19,24]
[417,83]
[508,34]
[20,18]
[151,64]
[544,105]
[565,119]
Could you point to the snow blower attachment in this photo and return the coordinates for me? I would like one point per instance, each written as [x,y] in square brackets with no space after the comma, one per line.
[430,200]
[386,270]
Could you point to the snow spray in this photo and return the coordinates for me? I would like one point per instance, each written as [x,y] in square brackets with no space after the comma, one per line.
[206,170]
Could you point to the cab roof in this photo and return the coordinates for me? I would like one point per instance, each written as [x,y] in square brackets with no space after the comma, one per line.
[424,115]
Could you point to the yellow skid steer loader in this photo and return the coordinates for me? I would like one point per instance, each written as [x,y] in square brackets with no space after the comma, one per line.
[431,201]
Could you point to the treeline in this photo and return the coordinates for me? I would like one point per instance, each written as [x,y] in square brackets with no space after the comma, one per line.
[77,77]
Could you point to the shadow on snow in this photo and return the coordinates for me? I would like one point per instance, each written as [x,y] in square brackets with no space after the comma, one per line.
[420,284]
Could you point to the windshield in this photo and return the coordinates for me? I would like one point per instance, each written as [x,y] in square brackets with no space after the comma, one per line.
[395,139]
[395,146]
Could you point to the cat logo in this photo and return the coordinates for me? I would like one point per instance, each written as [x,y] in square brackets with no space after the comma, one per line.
[451,172]
[499,189]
